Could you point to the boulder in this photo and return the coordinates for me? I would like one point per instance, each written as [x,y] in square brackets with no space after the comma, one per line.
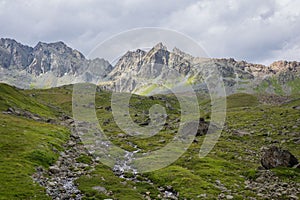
[240,133]
[276,157]
[202,127]
[10,110]
[296,107]
[54,169]
[108,108]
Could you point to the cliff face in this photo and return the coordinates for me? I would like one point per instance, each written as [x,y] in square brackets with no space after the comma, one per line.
[14,55]
[55,57]
[139,71]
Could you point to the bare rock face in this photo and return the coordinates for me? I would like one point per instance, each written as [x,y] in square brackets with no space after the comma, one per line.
[276,157]
[56,57]
[14,55]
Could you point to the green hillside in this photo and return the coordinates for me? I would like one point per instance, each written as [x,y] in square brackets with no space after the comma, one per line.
[25,144]
[228,172]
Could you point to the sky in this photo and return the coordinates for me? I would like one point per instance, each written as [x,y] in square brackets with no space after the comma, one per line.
[251,30]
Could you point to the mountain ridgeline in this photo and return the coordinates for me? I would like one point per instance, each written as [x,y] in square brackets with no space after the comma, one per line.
[139,71]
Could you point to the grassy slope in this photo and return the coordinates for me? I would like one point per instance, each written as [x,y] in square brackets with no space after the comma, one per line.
[232,161]
[272,84]
[25,144]
[13,97]
[59,99]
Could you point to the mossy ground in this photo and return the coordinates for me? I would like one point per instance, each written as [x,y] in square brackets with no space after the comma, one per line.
[26,144]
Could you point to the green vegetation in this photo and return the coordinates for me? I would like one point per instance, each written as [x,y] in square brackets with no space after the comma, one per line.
[295,86]
[276,86]
[84,159]
[11,97]
[26,144]
[241,100]
[104,177]
[288,173]
[272,85]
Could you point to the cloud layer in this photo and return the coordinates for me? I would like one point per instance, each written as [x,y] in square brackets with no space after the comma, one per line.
[256,31]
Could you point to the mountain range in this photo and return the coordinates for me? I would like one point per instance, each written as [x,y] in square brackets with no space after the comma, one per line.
[44,153]
[138,71]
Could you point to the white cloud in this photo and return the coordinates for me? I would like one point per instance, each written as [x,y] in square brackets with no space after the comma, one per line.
[257,31]
[249,30]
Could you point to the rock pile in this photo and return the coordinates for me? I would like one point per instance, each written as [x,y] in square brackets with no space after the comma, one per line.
[269,186]
[59,180]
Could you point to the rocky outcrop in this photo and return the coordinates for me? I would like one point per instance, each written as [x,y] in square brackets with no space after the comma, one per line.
[280,66]
[276,157]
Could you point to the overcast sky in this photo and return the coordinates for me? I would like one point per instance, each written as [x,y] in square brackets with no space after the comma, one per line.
[252,30]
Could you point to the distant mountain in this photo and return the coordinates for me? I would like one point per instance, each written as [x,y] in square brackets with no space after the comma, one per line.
[47,64]
[139,71]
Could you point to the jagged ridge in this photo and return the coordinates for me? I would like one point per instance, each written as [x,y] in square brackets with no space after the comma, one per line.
[54,64]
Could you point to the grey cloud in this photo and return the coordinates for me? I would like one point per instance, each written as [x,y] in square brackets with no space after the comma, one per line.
[248,30]
[257,31]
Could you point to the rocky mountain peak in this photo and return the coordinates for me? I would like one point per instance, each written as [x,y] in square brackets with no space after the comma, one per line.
[8,43]
[56,57]
[14,55]
[136,53]
[57,48]
[160,46]
[159,54]
[5,42]
[178,51]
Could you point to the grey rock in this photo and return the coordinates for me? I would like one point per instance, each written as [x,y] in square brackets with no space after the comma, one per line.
[240,133]
[229,197]
[14,55]
[296,107]
[54,169]
[100,189]
[275,157]
[121,135]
